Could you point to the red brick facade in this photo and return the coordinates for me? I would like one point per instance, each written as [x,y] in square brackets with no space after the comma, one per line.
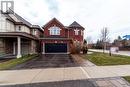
[67,34]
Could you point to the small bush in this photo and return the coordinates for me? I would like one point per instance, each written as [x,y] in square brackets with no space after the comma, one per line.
[76,48]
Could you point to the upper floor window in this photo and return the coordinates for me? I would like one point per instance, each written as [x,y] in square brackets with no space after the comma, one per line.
[34,32]
[19,28]
[76,32]
[82,32]
[54,30]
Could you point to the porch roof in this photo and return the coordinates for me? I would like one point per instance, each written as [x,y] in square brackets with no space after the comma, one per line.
[15,34]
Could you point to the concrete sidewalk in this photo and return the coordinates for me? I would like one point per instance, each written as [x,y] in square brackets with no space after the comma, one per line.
[108,71]
[13,77]
[100,76]
[125,53]
[119,70]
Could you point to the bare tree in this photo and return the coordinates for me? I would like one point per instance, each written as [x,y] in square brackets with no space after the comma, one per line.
[105,37]
[89,40]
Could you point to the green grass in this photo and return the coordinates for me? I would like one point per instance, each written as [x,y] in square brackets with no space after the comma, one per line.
[12,63]
[127,78]
[101,59]
[2,53]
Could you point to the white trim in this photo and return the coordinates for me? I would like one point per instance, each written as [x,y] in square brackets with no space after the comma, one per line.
[76,31]
[43,48]
[14,49]
[82,33]
[54,30]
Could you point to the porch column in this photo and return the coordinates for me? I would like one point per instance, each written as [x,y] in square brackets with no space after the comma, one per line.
[68,48]
[43,48]
[14,49]
[33,46]
[18,47]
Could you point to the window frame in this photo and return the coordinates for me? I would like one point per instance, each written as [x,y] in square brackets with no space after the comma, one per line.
[19,27]
[54,30]
[76,32]
[82,33]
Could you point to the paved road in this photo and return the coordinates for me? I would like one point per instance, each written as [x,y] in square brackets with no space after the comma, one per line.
[49,61]
[126,53]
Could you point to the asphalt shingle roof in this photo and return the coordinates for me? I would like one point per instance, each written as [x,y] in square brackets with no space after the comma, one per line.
[75,24]
[19,20]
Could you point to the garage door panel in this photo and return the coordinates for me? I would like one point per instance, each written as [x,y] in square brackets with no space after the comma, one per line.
[55,48]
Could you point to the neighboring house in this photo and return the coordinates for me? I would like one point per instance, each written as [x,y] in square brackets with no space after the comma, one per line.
[127,40]
[127,37]
[17,36]
[59,38]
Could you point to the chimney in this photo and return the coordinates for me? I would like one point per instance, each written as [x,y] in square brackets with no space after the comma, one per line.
[7,6]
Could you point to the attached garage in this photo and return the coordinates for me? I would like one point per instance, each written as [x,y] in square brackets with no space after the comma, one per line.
[55,47]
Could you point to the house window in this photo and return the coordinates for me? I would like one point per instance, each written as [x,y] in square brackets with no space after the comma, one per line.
[19,28]
[76,32]
[34,32]
[82,32]
[54,30]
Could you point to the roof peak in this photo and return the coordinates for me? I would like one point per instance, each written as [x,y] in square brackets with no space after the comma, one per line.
[53,19]
[76,24]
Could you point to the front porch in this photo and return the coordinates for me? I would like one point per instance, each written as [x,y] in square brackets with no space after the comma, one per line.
[17,46]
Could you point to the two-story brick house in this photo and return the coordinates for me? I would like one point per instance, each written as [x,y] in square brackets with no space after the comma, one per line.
[58,38]
[17,36]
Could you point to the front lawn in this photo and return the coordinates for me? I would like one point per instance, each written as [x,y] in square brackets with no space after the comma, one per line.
[127,78]
[104,59]
[12,63]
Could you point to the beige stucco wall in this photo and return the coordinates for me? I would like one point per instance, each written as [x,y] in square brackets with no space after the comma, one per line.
[23,29]
[2,23]
[10,27]
[7,26]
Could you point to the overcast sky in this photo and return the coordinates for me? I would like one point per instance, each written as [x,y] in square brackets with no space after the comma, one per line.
[91,14]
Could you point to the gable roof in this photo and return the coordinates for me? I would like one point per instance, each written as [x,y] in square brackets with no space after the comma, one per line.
[17,19]
[22,20]
[75,25]
[54,19]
